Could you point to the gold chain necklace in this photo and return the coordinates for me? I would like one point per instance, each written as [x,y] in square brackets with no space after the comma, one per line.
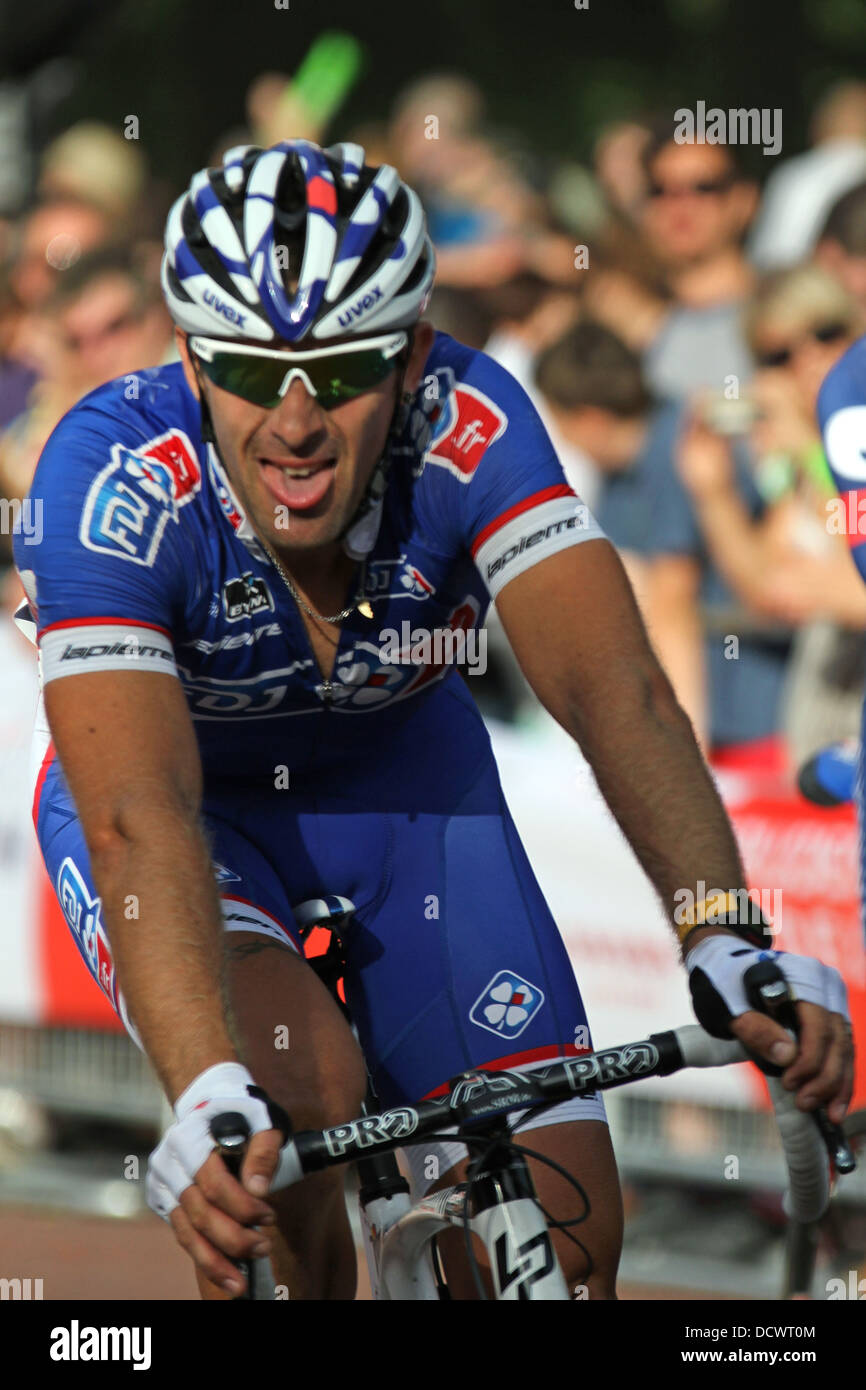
[360,602]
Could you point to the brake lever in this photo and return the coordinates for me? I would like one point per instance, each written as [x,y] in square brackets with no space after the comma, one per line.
[230,1133]
[768,991]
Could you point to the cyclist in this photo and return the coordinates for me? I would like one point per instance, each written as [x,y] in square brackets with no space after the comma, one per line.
[230,544]
[842,417]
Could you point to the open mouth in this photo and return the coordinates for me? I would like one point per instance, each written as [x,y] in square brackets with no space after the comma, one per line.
[298,486]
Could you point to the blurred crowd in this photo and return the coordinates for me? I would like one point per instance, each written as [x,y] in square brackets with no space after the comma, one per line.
[671,316]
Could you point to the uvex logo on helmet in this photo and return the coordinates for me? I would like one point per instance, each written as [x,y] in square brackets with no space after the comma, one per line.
[360,307]
[225,309]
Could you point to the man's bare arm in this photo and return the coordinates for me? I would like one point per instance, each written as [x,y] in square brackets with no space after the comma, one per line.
[577,634]
[576,631]
[127,748]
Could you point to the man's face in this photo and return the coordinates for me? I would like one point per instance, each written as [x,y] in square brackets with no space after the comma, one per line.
[54,237]
[695,208]
[298,471]
[107,333]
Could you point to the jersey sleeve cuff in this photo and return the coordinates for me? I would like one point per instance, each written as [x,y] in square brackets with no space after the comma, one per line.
[530,531]
[114,645]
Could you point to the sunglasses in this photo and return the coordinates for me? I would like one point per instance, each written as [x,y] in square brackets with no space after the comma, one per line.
[262,376]
[703,187]
[824,333]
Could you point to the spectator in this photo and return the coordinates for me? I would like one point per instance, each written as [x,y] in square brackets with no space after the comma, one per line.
[696,212]
[54,235]
[800,192]
[618,158]
[96,164]
[105,319]
[841,245]
[626,289]
[596,390]
[462,314]
[527,315]
[481,211]
[16,378]
[787,564]
[50,239]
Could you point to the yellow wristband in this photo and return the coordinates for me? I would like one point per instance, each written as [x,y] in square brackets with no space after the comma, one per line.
[722,903]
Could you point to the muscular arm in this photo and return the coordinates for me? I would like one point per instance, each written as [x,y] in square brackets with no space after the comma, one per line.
[128,752]
[578,636]
[575,629]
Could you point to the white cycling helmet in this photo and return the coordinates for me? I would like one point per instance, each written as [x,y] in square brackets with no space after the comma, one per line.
[295,242]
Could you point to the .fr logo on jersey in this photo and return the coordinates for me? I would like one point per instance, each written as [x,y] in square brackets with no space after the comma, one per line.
[467,425]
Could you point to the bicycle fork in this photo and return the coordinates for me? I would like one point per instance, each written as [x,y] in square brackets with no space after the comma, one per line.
[503,1211]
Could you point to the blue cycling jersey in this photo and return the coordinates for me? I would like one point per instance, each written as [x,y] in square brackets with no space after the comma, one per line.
[393,798]
[147,558]
[842,417]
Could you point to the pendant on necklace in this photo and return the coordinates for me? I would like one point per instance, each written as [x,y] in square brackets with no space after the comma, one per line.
[365,609]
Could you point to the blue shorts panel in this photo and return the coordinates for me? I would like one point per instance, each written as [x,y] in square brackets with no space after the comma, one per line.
[454,960]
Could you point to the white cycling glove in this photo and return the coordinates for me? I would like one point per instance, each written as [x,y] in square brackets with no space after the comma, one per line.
[716,968]
[188,1143]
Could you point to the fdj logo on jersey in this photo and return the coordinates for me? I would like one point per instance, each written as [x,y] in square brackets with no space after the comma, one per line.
[135,495]
[506,1005]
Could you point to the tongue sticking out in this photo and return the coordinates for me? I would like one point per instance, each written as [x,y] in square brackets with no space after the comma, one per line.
[297,493]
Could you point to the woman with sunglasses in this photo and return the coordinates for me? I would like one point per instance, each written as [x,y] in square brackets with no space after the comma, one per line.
[787,564]
[230,553]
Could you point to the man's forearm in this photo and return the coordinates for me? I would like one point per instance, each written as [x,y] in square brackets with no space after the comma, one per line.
[642,749]
[162,916]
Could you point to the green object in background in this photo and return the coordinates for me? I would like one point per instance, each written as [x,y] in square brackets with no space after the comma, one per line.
[327,73]
[775,476]
[816,467]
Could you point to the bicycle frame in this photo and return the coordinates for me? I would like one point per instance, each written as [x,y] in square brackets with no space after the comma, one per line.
[504,1211]
[397,1233]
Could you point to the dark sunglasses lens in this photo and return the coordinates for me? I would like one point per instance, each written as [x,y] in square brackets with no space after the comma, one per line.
[256,380]
[824,333]
[780,358]
[341,378]
[335,379]
[830,332]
